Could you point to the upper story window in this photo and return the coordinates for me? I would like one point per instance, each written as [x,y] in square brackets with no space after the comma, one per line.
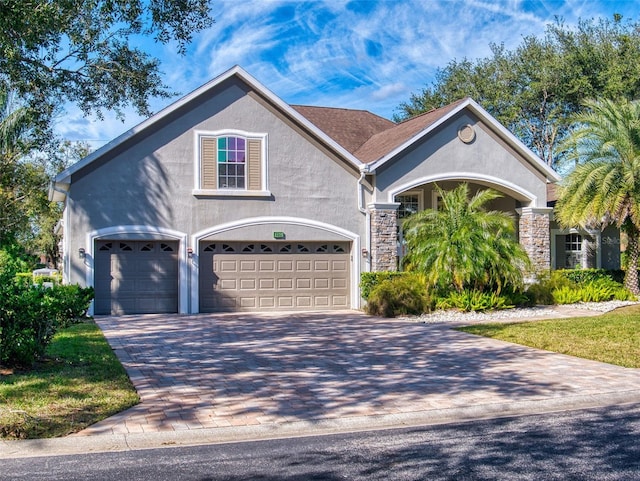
[232,159]
[231,163]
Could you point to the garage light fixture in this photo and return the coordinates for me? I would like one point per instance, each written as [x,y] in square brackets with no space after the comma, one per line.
[189,252]
[81,252]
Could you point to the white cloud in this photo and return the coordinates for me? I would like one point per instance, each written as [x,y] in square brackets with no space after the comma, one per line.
[372,56]
[389,90]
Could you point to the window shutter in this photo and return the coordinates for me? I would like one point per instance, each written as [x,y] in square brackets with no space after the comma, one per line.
[208,164]
[254,160]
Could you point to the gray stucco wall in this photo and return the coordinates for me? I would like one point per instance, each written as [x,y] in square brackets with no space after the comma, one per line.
[151,182]
[444,153]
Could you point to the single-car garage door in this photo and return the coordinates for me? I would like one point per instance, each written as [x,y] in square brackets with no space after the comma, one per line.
[136,277]
[262,276]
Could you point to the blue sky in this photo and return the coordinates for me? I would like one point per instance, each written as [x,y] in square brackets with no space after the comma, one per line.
[361,54]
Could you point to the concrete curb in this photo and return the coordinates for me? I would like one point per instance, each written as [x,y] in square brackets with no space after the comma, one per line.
[137,441]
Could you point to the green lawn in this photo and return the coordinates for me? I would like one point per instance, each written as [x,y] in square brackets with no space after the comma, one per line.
[613,337]
[79,383]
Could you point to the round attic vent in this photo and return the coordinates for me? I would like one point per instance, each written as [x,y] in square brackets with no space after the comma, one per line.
[466,134]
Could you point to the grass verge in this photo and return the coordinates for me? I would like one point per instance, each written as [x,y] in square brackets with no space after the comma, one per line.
[78,383]
[613,337]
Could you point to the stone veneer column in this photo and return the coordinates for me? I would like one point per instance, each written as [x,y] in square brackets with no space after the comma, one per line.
[384,235]
[535,235]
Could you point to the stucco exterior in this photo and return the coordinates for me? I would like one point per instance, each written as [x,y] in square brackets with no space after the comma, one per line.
[339,188]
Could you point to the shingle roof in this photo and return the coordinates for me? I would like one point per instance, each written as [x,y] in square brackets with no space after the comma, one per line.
[385,142]
[349,128]
[366,135]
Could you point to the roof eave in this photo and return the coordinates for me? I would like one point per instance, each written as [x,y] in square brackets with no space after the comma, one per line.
[58,191]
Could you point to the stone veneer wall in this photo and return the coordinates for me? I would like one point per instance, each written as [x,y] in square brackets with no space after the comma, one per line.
[384,234]
[535,236]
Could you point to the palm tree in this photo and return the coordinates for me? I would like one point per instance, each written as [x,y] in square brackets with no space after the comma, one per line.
[461,245]
[604,187]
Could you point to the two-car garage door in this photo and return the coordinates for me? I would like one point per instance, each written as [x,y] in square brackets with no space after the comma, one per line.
[245,276]
[133,277]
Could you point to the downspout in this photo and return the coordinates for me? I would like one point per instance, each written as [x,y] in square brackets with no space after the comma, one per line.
[361,208]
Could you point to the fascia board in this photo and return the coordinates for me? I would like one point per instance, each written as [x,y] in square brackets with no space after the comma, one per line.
[536,161]
[65,175]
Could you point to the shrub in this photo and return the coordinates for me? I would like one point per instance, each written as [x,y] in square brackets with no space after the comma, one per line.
[67,304]
[53,279]
[566,295]
[27,278]
[399,295]
[542,291]
[594,286]
[474,300]
[31,315]
[583,276]
[369,280]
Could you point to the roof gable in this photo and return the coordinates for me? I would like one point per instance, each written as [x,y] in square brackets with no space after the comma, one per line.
[63,179]
[382,148]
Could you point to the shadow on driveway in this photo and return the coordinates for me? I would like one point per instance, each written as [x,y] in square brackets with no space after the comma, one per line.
[247,369]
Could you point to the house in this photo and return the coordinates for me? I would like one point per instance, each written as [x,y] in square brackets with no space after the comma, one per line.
[230,199]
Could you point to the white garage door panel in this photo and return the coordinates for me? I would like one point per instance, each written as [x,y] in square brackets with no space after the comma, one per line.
[238,276]
[136,277]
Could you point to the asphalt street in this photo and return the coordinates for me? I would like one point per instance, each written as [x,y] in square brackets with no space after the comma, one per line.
[596,444]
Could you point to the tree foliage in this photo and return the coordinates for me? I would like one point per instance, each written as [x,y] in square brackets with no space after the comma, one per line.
[464,246]
[535,88]
[84,51]
[604,187]
[27,161]
[18,178]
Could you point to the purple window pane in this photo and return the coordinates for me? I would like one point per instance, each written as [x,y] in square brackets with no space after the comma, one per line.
[232,143]
[231,156]
[240,144]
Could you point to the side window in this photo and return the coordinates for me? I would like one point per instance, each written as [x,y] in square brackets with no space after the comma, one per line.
[231,162]
[410,203]
[573,251]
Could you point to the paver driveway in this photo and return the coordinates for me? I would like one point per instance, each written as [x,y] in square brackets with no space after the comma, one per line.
[215,370]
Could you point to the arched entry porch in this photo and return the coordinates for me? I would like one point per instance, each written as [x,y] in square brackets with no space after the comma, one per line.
[532,219]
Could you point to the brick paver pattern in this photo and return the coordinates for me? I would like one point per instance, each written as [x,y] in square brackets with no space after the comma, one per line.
[221,370]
